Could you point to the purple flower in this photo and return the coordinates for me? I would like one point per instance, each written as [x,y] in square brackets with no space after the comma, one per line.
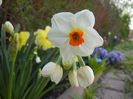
[114,57]
[101,52]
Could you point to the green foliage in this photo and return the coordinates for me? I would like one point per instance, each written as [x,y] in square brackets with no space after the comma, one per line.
[20,76]
[127,45]
[128,88]
[88,93]
[121,22]
[97,67]
[118,23]
[32,14]
[75,96]
[127,65]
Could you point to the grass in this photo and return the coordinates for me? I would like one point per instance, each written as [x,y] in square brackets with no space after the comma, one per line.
[127,65]
[125,46]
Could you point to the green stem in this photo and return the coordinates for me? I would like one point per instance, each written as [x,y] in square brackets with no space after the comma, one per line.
[47,90]
[81,61]
[74,65]
[11,80]
[63,85]
[59,61]
[13,54]
[53,86]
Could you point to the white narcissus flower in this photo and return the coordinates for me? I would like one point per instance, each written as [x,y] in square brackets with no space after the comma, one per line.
[53,71]
[8,27]
[74,34]
[109,33]
[85,76]
[73,78]
[0,2]
[115,37]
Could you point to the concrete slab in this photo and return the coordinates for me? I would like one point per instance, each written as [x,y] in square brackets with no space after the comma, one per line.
[71,90]
[109,94]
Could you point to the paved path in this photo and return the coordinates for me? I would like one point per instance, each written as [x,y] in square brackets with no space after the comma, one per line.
[112,86]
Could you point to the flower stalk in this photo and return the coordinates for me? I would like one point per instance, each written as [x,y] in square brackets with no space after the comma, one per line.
[59,60]
[81,61]
[13,54]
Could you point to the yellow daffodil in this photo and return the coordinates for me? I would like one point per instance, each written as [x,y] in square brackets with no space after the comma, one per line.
[122,40]
[74,34]
[53,71]
[73,78]
[42,39]
[9,27]
[85,76]
[23,37]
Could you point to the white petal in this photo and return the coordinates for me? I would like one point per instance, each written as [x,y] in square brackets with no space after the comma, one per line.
[57,74]
[66,51]
[92,38]
[48,69]
[73,78]
[85,76]
[82,50]
[56,37]
[0,2]
[85,18]
[64,21]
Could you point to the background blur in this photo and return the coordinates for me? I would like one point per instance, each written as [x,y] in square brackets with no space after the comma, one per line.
[111,15]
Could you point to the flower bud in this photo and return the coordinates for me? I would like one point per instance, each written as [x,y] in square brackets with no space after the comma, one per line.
[9,27]
[38,60]
[14,47]
[73,78]
[53,71]
[85,76]
[67,64]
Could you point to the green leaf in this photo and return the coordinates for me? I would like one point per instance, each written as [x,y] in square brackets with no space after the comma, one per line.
[75,96]
[99,70]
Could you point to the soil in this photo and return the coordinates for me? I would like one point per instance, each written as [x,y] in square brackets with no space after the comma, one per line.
[54,94]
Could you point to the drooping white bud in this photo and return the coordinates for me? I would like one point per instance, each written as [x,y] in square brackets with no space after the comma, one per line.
[38,60]
[8,27]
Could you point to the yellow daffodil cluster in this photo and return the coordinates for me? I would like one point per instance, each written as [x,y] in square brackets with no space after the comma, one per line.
[42,39]
[22,39]
[22,36]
